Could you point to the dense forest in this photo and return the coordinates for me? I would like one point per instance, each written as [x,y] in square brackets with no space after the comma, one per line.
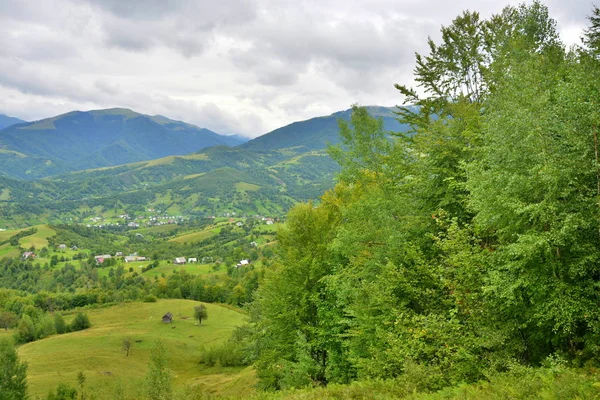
[464,247]
[460,251]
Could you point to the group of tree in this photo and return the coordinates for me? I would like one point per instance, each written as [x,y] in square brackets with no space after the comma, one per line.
[471,243]
[35,324]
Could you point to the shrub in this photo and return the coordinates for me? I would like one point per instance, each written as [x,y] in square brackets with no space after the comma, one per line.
[80,322]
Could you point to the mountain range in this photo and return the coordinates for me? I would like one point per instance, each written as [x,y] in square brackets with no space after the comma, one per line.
[265,175]
[94,139]
[6,121]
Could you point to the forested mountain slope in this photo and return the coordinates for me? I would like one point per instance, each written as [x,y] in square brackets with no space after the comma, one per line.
[6,121]
[83,140]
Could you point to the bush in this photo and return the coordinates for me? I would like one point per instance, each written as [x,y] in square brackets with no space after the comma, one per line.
[150,299]
[59,324]
[227,355]
[80,322]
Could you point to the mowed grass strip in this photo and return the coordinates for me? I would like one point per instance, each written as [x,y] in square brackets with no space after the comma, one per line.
[97,351]
[194,237]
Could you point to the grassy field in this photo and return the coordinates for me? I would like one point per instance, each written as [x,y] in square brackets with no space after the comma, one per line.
[38,239]
[195,236]
[97,351]
[191,268]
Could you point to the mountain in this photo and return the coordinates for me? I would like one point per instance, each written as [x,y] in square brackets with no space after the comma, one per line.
[94,139]
[262,176]
[316,133]
[6,121]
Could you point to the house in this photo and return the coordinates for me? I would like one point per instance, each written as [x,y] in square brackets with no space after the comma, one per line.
[74,247]
[99,260]
[269,221]
[167,318]
[104,256]
[62,246]
[253,244]
[243,263]
[141,258]
[28,254]
[192,260]
[119,254]
[239,224]
[179,260]
[130,258]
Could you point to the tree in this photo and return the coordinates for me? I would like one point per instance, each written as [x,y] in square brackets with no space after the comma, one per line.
[63,392]
[200,313]
[80,322]
[59,324]
[126,346]
[26,330]
[8,320]
[13,373]
[158,379]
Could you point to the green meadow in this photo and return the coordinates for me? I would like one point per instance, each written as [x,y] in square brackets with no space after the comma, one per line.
[97,351]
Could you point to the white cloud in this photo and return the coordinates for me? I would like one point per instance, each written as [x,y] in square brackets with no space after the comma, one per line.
[239,66]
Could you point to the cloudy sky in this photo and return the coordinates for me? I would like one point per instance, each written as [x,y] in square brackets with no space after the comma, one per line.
[233,66]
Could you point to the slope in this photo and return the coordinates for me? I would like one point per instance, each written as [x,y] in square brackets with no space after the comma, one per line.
[6,121]
[316,133]
[93,139]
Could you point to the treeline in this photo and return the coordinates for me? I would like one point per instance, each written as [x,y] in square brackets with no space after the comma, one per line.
[465,247]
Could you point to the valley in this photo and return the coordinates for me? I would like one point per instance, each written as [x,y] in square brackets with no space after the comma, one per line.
[444,249]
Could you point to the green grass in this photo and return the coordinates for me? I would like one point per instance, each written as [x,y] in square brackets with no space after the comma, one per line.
[5,194]
[194,237]
[38,239]
[97,351]
[193,269]
[243,187]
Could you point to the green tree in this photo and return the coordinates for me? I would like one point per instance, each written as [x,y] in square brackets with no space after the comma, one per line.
[200,313]
[25,330]
[13,373]
[158,385]
[8,320]
[59,323]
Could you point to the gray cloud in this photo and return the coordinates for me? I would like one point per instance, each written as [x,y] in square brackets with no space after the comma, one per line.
[236,66]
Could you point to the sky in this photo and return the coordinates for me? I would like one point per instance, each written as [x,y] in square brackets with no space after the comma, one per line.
[232,66]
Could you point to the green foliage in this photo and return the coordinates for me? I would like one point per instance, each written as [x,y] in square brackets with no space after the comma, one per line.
[59,324]
[63,392]
[80,322]
[8,320]
[13,373]
[200,313]
[158,384]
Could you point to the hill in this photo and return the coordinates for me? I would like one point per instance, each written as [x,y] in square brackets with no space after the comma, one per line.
[203,183]
[93,139]
[316,133]
[6,121]
[97,351]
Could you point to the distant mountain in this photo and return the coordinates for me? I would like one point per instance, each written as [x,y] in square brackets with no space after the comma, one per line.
[6,121]
[316,133]
[83,140]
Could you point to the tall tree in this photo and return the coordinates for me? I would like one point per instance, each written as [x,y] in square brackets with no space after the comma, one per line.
[158,383]
[13,373]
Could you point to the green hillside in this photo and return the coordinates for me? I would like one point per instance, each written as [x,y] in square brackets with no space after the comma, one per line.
[316,133]
[97,352]
[6,121]
[82,140]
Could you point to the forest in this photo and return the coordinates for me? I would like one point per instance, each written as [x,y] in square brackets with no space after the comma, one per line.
[466,250]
